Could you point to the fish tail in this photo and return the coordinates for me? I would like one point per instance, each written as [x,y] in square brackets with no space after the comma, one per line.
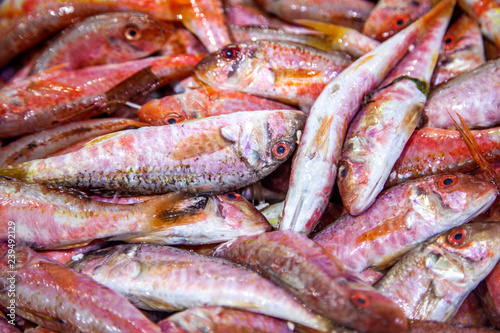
[476,151]
[18,172]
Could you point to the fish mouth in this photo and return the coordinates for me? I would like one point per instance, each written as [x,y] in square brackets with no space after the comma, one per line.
[362,200]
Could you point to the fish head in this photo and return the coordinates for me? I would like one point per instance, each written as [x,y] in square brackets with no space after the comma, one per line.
[464,255]
[270,140]
[390,17]
[240,215]
[453,199]
[462,49]
[354,169]
[165,111]
[139,33]
[237,66]
[370,310]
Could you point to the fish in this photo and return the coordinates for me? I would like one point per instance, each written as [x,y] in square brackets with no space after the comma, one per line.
[207,155]
[431,151]
[328,37]
[42,144]
[216,319]
[50,98]
[28,22]
[454,96]
[351,14]
[317,279]
[182,41]
[428,326]
[284,71]
[380,130]
[462,50]
[471,312]
[48,218]
[58,298]
[487,14]
[203,102]
[165,278]
[112,37]
[442,271]
[404,216]
[314,166]
[388,17]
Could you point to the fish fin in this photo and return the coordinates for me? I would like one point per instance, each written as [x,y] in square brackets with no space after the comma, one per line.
[142,81]
[149,302]
[56,67]
[14,172]
[101,138]
[231,133]
[329,29]
[201,144]
[427,303]
[476,151]
[72,246]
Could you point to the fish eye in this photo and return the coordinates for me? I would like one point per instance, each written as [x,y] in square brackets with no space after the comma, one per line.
[447,181]
[230,52]
[457,236]
[449,41]
[232,196]
[343,171]
[172,118]
[400,21]
[132,33]
[281,150]
[359,300]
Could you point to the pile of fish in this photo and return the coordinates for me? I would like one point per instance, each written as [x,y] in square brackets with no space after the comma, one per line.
[249,166]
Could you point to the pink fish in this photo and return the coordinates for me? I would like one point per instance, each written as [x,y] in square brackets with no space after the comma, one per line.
[462,50]
[52,295]
[315,164]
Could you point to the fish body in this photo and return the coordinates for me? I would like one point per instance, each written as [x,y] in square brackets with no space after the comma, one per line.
[201,103]
[288,72]
[388,17]
[317,279]
[27,22]
[474,95]
[42,144]
[462,50]
[314,167]
[442,271]
[56,297]
[487,14]
[166,278]
[215,154]
[404,216]
[50,98]
[347,13]
[216,319]
[49,218]
[429,326]
[438,151]
[112,37]
[380,130]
